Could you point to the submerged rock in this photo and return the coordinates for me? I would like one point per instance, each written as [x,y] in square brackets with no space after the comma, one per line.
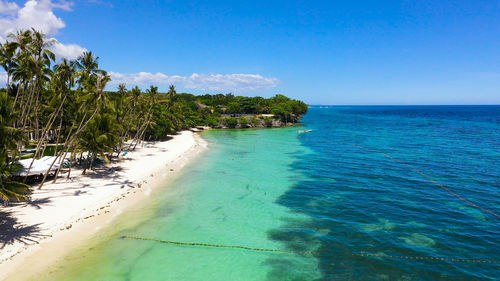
[419,240]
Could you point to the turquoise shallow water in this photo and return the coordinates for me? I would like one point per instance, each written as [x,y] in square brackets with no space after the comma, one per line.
[227,196]
[319,191]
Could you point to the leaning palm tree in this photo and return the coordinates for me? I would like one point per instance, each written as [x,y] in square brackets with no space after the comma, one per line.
[94,97]
[63,80]
[39,61]
[153,99]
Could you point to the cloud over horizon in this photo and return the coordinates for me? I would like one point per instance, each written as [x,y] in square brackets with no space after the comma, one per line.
[213,82]
[40,16]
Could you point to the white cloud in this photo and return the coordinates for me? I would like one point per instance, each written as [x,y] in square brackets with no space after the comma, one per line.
[8,8]
[69,51]
[213,82]
[40,16]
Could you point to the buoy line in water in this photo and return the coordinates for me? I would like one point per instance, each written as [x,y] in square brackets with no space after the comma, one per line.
[428,179]
[424,258]
[308,252]
[218,245]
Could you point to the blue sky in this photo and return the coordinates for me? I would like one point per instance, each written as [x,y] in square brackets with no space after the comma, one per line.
[323,52]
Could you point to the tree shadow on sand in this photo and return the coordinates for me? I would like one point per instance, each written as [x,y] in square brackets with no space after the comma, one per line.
[11,231]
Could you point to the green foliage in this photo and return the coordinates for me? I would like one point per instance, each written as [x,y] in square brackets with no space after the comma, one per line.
[255,121]
[99,136]
[211,120]
[268,122]
[10,138]
[243,122]
[230,122]
[252,105]
[182,111]
[51,149]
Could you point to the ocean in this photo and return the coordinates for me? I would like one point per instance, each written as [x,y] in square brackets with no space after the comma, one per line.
[371,193]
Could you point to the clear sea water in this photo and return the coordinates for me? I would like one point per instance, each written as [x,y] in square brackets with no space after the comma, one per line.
[320,192]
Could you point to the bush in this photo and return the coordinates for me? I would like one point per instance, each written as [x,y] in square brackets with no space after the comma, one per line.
[268,122]
[243,122]
[230,122]
[211,121]
[255,122]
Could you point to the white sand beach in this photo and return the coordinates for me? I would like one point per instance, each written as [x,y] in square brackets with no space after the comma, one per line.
[83,204]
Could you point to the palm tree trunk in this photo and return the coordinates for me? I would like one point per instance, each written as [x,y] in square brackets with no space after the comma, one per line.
[20,96]
[92,161]
[27,108]
[41,140]
[8,84]
[139,133]
[71,159]
[55,159]
[65,153]
[81,127]
[69,146]
[87,164]
[37,129]
[17,95]
[142,134]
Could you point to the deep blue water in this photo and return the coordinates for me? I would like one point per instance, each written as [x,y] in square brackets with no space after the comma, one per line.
[360,201]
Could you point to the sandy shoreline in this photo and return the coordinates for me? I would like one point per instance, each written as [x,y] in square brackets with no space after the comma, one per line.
[84,204]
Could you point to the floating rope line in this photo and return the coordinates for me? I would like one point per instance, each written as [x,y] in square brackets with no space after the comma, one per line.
[217,245]
[308,252]
[424,258]
[429,179]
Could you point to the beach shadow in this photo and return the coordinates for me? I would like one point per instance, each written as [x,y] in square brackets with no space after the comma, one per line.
[35,203]
[79,192]
[12,231]
[38,202]
[122,183]
[167,138]
[102,172]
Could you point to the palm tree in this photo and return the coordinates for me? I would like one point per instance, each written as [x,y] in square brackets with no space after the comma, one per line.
[87,65]
[7,61]
[171,94]
[152,94]
[121,111]
[10,139]
[97,138]
[95,97]
[9,189]
[63,80]
[39,60]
